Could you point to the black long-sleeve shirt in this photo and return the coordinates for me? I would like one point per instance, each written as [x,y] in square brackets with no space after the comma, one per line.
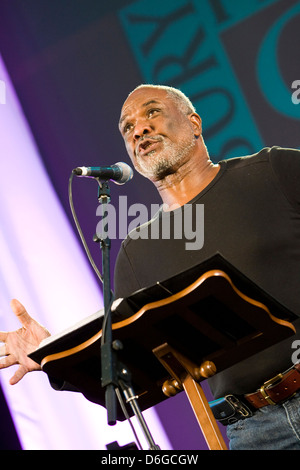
[252,217]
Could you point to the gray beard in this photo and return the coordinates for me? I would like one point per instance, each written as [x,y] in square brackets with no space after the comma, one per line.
[159,164]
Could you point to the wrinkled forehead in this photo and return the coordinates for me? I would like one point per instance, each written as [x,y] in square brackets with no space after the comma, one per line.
[140,98]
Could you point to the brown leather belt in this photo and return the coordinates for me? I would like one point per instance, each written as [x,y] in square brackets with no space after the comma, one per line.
[279,388]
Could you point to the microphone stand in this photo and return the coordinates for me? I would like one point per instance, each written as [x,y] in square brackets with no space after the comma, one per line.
[114,375]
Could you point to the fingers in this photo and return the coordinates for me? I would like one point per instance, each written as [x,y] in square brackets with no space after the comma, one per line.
[3,336]
[20,372]
[16,345]
[20,311]
[18,375]
[7,361]
[3,351]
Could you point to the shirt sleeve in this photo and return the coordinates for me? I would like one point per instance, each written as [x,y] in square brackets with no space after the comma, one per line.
[286,166]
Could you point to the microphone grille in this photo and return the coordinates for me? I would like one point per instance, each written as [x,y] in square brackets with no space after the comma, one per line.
[127,172]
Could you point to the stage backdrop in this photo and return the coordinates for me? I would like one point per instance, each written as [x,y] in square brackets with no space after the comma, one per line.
[66,68]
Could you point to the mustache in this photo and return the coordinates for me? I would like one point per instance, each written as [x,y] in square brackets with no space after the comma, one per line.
[156,138]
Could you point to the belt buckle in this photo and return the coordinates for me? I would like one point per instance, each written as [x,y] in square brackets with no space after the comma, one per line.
[264,388]
[240,407]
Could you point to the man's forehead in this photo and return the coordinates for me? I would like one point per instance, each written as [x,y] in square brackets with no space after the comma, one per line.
[145,93]
[141,98]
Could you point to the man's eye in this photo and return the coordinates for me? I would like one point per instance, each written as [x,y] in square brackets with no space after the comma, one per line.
[127,128]
[153,111]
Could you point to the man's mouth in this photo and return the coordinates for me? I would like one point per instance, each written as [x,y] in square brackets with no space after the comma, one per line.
[147,145]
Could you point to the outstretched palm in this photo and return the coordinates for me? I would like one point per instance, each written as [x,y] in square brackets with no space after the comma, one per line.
[18,344]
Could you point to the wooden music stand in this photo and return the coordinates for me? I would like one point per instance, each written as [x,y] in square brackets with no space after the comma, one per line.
[215,318]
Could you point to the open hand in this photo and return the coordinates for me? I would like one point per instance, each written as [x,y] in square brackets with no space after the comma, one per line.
[18,344]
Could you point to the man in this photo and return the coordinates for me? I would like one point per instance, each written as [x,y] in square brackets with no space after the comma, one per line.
[252,217]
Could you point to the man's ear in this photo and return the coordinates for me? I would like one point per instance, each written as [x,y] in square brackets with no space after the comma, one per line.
[196,124]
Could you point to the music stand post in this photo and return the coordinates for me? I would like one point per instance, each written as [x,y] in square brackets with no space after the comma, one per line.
[114,374]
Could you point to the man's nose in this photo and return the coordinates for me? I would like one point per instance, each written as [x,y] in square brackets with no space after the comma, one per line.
[142,128]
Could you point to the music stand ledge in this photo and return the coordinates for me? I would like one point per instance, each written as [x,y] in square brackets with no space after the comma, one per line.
[173,343]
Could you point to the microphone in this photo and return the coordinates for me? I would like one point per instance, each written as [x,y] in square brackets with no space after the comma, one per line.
[120,172]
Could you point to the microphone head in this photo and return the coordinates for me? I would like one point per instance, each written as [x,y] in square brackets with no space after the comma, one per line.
[126,172]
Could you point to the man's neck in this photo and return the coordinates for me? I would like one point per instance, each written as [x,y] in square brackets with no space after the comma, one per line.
[182,186]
